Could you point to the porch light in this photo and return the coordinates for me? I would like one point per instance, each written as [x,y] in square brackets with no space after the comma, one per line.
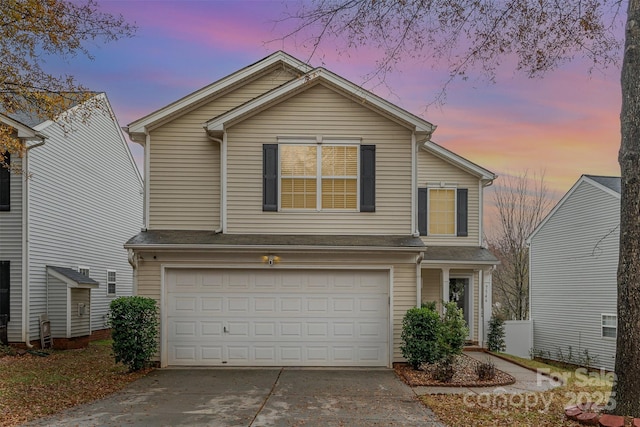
[271,259]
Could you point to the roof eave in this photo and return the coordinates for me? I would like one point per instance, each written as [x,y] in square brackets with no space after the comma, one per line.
[296,248]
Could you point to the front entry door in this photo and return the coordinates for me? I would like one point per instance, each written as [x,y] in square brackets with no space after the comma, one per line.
[460,294]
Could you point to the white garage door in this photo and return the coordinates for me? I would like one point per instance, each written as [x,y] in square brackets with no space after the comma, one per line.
[277,317]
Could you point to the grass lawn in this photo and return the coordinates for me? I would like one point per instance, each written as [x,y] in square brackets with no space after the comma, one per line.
[526,409]
[32,387]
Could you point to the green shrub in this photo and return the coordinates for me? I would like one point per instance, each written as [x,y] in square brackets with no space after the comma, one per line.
[486,370]
[445,369]
[495,337]
[134,330]
[420,333]
[453,331]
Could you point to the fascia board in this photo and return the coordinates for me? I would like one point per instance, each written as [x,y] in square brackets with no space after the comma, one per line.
[457,160]
[24,131]
[295,248]
[139,126]
[419,125]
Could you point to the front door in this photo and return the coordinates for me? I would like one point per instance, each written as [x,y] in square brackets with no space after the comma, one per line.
[460,294]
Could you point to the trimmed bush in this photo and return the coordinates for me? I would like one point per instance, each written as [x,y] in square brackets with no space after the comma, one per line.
[134,330]
[420,334]
[495,337]
[453,332]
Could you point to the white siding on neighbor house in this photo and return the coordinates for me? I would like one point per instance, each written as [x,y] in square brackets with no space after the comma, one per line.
[80,323]
[573,263]
[184,164]
[57,296]
[319,111]
[403,276]
[85,202]
[432,171]
[11,250]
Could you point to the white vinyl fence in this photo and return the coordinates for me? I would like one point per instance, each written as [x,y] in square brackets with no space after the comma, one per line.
[518,336]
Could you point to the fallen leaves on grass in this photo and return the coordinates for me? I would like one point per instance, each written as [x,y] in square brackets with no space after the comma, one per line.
[465,375]
[32,386]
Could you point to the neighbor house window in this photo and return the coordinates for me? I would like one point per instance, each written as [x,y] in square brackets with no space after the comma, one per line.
[609,325]
[111,282]
[442,211]
[84,271]
[319,177]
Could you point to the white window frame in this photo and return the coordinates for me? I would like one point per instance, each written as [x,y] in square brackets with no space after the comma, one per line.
[112,282]
[455,209]
[87,269]
[603,326]
[318,143]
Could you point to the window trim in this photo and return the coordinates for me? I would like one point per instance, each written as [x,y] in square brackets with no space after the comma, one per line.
[455,209]
[88,270]
[328,142]
[603,326]
[114,282]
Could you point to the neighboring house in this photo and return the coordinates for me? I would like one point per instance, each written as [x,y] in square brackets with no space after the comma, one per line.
[292,218]
[62,229]
[573,266]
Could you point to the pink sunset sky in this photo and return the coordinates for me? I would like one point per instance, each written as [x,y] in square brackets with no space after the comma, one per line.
[566,124]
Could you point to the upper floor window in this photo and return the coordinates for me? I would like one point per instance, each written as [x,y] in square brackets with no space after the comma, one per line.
[443,211]
[609,325]
[319,177]
[5,182]
[85,271]
[111,282]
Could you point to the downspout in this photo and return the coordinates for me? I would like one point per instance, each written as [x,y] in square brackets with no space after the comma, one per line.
[223,180]
[147,175]
[26,326]
[419,259]
[414,185]
[482,184]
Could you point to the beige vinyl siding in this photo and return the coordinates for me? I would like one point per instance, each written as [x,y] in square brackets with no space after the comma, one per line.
[432,287]
[404,298]
[184,164]
[402,266]
[319,111]
[432,171]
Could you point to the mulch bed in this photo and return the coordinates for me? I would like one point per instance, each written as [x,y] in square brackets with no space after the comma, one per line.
[465,375]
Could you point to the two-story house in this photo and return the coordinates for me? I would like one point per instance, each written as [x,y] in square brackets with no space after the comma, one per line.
[292,218]
[63,222]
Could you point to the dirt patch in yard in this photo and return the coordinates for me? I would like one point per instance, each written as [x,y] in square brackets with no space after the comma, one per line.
[465,375]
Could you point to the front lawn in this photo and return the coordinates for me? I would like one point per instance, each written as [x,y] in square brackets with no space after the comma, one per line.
[524,409]
[32,386]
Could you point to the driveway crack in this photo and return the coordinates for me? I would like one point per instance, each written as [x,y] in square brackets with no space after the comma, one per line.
[273,387]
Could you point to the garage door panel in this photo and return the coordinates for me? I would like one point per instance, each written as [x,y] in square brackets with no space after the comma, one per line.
[277,317]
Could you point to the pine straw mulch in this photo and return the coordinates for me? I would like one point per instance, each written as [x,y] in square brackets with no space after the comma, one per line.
[32,386]
[465,375]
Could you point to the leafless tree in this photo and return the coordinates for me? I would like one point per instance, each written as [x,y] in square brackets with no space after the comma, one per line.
[480,35]
[520,203]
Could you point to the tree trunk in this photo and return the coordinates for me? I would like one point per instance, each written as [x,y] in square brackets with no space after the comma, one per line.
[626,397]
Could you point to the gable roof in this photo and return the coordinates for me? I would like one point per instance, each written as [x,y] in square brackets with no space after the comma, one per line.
[608,184]
[24,131]
[72,278]
[217,125]
[451,157]
[137,129]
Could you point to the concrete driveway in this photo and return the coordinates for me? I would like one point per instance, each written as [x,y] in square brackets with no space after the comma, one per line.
[256,397]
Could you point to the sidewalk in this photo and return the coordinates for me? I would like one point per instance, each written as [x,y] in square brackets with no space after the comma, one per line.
[527,381]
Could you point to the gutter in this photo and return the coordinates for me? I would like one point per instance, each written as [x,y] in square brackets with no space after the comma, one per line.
[295,248]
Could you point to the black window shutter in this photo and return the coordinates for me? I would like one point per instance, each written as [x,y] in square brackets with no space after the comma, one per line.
[4,288]
[463,197]
[270,177]
[422,211]
[367,178]
[5,181]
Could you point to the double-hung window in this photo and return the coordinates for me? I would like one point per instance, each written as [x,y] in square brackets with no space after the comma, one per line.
[443,211]
[111,282]
[609,325]
[319,177]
